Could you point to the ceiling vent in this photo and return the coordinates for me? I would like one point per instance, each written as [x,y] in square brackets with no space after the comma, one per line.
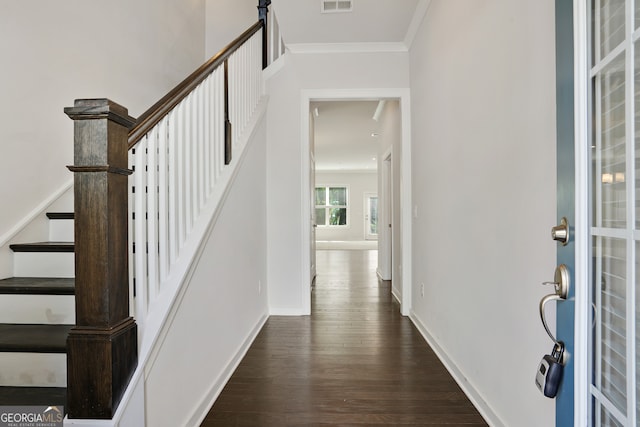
[333,6]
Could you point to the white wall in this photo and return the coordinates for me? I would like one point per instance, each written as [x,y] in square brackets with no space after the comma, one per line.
[225,304]
[54,52]
[390,135]
[284,154]
[358,183]
[226,20]
[483,119]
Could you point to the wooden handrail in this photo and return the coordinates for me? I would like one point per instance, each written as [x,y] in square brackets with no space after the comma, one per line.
[104,134]
[153,115]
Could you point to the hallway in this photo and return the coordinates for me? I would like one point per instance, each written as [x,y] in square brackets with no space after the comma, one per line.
[355,361]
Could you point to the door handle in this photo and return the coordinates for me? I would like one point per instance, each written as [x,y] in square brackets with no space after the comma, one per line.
[543,301]
[561,287]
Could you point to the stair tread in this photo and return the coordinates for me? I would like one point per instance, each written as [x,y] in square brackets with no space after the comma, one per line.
[37,286]
[60,215]
[33,338]
[33,396]
[43,247]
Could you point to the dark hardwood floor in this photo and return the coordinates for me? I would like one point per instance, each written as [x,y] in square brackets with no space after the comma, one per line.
[354,362]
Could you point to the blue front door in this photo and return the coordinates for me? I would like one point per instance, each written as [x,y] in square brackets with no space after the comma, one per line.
[608,324]
[566,198]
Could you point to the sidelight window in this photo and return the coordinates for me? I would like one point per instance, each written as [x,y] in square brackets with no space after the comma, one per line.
[615,218]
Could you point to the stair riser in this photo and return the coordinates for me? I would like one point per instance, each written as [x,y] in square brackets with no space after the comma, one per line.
[43,264]
[33,369]
[61,230]
[48,309]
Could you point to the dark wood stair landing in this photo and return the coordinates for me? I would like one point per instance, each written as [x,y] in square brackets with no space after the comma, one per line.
[43,247]
[33,396]
[60,215]
[37,286]
[355,361]
[33,338]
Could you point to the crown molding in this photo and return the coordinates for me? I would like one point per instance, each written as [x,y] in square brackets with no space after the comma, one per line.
[416,21]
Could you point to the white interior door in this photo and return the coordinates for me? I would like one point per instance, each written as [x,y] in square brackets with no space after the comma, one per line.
[312,198]
[385,232]
[314,224]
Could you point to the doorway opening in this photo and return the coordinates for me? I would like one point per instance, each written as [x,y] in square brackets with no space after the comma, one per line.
[345,148]
[345,197]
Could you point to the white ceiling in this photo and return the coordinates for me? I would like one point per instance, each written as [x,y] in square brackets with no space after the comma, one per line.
[370,21]
[343,135]
[343,129]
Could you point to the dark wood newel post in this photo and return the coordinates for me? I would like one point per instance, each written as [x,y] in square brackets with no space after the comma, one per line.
[102,350]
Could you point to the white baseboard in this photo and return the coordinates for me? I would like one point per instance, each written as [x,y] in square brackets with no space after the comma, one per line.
[287,312]
[202,409]
[395,296]
[347,244]
[472,393]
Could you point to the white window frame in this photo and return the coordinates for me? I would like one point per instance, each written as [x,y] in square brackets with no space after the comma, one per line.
[588,397]
[327,206]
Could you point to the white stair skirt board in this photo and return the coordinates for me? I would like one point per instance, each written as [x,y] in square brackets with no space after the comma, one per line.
[61,230]
[33,369]
[47,309]
[347,244]
[44,264]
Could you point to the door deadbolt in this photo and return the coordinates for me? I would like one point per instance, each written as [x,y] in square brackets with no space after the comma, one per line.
[560,233]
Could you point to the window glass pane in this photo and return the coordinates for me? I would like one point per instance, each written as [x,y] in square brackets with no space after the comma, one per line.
[610,25]
[607,419]
[373,215]
[610,174]
[337,196]
[337,216]
[637,19]
[321,196]
[321,217]
[610,298]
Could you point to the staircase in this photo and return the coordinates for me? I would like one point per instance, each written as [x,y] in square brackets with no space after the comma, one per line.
[81,348]
[36,315]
